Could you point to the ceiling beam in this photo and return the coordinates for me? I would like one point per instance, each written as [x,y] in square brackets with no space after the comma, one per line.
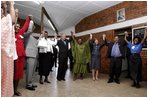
[45,12]
[42,19]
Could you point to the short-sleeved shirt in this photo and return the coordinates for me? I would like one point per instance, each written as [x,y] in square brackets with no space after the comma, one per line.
[135,48]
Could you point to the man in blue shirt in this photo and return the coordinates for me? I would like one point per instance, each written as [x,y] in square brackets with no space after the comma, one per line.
[115,53]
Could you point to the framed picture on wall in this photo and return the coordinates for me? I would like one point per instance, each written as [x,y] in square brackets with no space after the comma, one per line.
[140,33]
[121,15]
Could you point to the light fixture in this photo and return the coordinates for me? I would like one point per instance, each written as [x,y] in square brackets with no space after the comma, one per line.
[51,25]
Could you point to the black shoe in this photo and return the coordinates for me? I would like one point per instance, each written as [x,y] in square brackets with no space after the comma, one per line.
[117,81]
[34,86]
[133,85]
[17,93]
[47,81]
[138,86]
[63,79]
[110,81]
[30,88]
[41,81]
[58,79]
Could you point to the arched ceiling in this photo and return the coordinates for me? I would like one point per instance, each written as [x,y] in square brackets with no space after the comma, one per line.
[64,14]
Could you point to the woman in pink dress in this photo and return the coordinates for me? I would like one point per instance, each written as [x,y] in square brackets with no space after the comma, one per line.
[7,49]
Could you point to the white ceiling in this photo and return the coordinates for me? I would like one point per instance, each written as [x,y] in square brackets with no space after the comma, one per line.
[64,14]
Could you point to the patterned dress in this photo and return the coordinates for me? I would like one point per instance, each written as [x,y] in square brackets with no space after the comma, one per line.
[7,56]
[81,55]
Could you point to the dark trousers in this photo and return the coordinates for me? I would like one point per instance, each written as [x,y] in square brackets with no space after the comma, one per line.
[135,67]
[115,68]
[62,68]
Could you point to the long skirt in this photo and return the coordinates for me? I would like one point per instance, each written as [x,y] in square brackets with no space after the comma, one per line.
[44,63]
[135,67]
[6,75]
[19,68]
[79,68]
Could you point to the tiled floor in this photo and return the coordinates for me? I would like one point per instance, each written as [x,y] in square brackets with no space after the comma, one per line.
[83,88]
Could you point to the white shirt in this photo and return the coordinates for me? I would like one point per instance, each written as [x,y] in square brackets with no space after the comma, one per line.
[49,47]
[51,43]
[41,49]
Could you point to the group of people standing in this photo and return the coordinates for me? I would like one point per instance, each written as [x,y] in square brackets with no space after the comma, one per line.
[22,49]
[89,52]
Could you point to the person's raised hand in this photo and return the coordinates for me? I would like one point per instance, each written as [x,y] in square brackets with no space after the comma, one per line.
[126,33]
[16,13]
[145,33]
[104,36]
[90,35]
[72,33]
[30,17]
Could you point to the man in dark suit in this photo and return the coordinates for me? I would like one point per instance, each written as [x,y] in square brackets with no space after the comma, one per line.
[115,53]
[63,57]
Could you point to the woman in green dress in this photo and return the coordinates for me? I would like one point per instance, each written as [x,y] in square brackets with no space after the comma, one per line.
[81,55]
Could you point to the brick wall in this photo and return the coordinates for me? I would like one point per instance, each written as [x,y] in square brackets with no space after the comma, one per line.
[133,9]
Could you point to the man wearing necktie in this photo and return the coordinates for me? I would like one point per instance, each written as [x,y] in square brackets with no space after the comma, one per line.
[63,57]
[115,53]
[64,42]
